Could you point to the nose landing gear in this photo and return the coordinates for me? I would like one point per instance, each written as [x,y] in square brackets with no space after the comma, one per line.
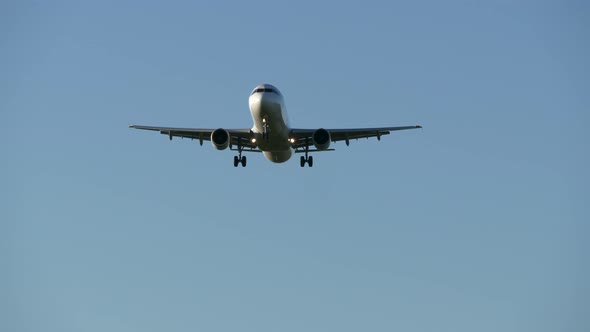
[265,129]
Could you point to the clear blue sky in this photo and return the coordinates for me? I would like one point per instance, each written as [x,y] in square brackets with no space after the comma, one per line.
[479,222]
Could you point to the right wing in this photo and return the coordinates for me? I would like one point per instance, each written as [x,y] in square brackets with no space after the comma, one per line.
[303,137]
[238,136]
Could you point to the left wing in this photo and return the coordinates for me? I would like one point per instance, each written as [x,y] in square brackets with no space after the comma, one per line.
[239,137]
[303,137]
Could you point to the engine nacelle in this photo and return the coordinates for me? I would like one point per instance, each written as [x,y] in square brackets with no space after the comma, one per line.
[220,139]
[321,139]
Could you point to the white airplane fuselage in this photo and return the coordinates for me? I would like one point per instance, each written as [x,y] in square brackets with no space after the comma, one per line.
[271,124]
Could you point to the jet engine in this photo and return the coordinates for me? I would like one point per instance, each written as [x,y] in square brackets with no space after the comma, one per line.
[220,139]
[321,139]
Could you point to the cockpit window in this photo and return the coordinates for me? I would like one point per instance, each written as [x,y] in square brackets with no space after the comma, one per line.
[265,90]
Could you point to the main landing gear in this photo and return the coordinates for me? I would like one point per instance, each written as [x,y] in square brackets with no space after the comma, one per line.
[306,159]
[239,159]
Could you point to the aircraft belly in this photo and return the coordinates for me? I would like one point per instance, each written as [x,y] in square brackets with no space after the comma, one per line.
[278,156]
[278,140]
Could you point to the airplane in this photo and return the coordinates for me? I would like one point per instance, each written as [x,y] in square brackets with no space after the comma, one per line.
[271,134]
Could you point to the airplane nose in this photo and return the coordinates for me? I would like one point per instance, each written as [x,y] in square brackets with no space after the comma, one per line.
[263,100]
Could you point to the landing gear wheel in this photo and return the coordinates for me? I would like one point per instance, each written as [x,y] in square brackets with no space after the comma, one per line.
[302,161]
[244,161]
[310,161]
[236,161]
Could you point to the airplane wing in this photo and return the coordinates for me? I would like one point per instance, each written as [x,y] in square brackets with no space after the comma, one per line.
[303,137]
[238,136]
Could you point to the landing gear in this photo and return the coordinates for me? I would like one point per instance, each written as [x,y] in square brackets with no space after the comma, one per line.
[307,159]
[240,160]
[265,129]
[304,160]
